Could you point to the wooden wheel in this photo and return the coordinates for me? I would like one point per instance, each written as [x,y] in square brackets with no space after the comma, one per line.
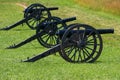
[48,37]
[38,13]
[81,43]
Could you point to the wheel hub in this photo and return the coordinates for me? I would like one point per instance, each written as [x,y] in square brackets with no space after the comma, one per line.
[51,32]
[81,44]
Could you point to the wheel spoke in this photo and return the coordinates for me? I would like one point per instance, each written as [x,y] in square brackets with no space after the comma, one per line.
[44,36]
[71,49]
[31,20]
[86,52]
[79,56]
[74,55]
[92,49]
[72,41]
[83,54]
[37,22]
[34,23]
[44,13]
[90,40]
[60,27]
[53,40]
[89,48]
[47,39]
[92,44]
[83,36]
[55,37]
[90,34]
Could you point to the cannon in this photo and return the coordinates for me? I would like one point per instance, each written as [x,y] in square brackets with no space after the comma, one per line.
[33,15]
[47,29]
[78,43]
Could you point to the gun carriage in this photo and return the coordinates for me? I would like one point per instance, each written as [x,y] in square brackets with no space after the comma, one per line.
[33,15]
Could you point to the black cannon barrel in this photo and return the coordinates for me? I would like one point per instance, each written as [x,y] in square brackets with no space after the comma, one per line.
[63,20]
[42,26]
[53,8]
[87,32]
[42,9]
[105,31]
[59,22]
[68,19]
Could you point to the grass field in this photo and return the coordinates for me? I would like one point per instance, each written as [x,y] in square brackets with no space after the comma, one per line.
[54,67]
[110,6]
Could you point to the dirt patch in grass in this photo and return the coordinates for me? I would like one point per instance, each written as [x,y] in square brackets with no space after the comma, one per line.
[22,5]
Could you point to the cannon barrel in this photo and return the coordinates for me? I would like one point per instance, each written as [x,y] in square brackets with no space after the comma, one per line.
[63,20]
[42,26]
[59,22]
[105,31]
[42,9]
[53,8]
[68,19]
[87,32]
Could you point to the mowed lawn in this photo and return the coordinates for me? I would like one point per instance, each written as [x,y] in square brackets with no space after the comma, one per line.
[54,67]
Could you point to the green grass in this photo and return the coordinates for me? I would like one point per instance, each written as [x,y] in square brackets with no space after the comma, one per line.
[54,67]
